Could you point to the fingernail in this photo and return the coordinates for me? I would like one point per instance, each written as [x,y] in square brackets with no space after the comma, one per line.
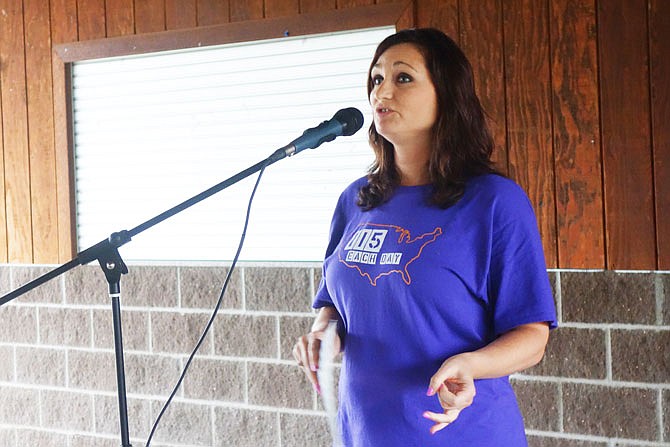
[426,415]
[430,391]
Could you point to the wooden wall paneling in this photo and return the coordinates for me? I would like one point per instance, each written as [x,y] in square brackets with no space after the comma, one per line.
[149,16]
[64,27]
[181,14]
[119,17]
[44,202]
[625,121]
[213,12]
[91,19]
[441,14]
[317,5]
[3,196]
[407,18]
[527,75]
[63,30]
[15,133]
[241,10]
[341,4]
[481,39]
[659,32]
[579,198]
[279,8]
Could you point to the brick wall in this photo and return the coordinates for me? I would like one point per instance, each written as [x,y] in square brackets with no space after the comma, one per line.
[604,382]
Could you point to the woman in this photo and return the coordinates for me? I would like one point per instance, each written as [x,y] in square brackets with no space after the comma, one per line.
[435,270]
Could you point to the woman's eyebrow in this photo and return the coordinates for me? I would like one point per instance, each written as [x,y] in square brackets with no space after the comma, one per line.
[377,65]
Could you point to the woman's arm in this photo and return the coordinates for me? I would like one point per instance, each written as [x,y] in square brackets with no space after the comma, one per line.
[306,349]
[514,351]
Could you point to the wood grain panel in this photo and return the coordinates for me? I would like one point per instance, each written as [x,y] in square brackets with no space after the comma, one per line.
[407,18]
[241,10]
[149,16]
[660,108]
[181,14]
[213,12]
[91,19]
[484,18]
[3,195]
[624,82]
[317,5]
[119,17]
[530,152]
[442,14]
[15,133]
[341,4]
[41,137]
[63,30]
[64,26]
[279,8]
[579,199]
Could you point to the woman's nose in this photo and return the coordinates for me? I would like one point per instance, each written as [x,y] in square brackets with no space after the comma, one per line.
[384,90]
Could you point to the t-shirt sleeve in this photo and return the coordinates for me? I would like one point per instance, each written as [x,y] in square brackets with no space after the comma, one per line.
[518,282]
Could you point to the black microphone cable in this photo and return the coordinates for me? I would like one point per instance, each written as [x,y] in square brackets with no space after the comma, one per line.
[216,308]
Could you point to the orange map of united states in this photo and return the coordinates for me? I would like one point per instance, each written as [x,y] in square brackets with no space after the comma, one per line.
[374,252]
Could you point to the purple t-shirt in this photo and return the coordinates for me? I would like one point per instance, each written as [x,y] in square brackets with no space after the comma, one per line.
[415,284]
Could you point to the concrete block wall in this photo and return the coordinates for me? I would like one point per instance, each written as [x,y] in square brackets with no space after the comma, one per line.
[604,382]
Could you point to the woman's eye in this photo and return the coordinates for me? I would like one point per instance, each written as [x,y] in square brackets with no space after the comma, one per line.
[404,78]
[376,80]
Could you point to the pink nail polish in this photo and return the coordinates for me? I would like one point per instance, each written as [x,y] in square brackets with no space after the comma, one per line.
[430,391]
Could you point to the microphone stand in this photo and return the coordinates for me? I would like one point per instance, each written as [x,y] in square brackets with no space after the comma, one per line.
[107,254]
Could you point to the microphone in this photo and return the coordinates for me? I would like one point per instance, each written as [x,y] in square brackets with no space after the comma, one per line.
[345,122]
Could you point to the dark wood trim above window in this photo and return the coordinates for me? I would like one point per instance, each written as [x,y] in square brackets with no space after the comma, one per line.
[400,14]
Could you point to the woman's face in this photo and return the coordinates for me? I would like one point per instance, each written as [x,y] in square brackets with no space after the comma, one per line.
[403,97]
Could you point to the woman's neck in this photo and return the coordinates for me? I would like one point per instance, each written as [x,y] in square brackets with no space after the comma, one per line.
[412,164]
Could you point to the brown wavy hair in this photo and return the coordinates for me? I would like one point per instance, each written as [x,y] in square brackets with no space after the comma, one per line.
[462,143]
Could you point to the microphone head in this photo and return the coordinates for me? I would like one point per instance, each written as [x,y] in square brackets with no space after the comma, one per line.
[351,119]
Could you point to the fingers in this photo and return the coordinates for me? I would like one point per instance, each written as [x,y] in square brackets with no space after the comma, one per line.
[455,390]
[456,393]
[306,354]
[442,420]
[454,370]
[313,347]
[438,381]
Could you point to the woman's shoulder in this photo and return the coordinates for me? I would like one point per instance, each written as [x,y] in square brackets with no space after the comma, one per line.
[496,186]
[349,194]
[358,183]
[501,195]
[355,186]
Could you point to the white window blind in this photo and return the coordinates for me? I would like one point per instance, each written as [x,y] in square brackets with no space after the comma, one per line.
[151,131]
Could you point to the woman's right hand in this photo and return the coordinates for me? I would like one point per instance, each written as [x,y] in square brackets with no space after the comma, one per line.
[306,348]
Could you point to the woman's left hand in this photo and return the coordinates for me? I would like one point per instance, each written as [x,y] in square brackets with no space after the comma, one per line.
[455,388]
